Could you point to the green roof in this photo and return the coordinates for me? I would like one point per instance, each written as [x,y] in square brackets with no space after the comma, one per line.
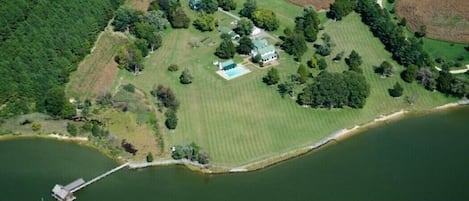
[225,30]
[266,49]
[260,43]
[228,64]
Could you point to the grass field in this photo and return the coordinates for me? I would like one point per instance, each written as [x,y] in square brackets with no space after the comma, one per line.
[243,120]
[448,50]
[318,4]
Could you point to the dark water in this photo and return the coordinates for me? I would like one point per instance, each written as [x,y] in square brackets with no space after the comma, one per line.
[419,158]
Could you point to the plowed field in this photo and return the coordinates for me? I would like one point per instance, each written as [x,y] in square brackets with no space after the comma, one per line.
[444,19]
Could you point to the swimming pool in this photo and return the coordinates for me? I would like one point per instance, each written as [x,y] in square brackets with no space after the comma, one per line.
[235,72]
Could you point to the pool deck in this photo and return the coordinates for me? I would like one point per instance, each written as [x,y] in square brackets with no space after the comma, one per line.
[223,74]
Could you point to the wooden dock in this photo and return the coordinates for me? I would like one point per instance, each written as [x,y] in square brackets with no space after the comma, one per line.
[65,193]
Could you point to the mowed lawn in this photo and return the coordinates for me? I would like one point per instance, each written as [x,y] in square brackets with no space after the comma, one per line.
[243,120]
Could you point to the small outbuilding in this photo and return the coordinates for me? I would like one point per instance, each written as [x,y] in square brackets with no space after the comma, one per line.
[227,65]
[226,30]
[62,194]
[195,4]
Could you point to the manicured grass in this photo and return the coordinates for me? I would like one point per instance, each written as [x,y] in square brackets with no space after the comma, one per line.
[447,50]
[243,120]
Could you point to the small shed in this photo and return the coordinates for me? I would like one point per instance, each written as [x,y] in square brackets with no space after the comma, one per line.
[226,30]
[255,31]
[195,4]
[227,65]
[62,194]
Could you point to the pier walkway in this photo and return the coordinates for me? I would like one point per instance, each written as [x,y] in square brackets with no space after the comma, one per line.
[65,193]
[99,177]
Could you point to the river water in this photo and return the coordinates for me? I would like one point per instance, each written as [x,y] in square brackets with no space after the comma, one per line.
[418,158]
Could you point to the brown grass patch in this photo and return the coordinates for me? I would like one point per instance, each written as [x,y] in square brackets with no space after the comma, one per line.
[123,125]
[444,19]
[140,4]
[96,73]
[318,4]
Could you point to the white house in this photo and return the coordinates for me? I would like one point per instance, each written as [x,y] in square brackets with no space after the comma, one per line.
[265,50]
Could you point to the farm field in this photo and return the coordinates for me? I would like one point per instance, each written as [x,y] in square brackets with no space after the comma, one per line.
[445,20]
[243,120]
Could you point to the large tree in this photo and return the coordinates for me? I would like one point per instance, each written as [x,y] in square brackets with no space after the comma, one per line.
[227,4]
[186,77]
[55,101]
[385,69]
[266,19]
[358,89]
[245,45]
[248,8]
[205,22]
[427,77]
[272,77]
[410,73]
[157,19]
[226,49]
[171,121]
[209,6]
[335,90]
[130,58]
[295,45]
[308,24]
[396,90]
[340,9]
[125,18]
[354,61]
[444,81]
[244,27]
[303,74]
[179,19]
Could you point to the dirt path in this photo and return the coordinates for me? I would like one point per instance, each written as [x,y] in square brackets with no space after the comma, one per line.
[460,71]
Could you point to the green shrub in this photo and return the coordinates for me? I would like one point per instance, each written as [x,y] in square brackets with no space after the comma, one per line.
[129,87]
[149,157]
[72,129]
[173,68]
[36,126]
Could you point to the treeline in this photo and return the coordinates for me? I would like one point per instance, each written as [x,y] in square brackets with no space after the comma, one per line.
[41,43]
[173,11]
[405,51]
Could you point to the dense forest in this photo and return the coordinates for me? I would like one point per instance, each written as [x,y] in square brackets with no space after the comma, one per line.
[41,42]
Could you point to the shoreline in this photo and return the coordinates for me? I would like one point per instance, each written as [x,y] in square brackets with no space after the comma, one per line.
[336,136]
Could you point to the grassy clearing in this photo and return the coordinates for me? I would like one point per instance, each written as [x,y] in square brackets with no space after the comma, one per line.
[243,120]
[48,125]
[448,50]
[97,72]
[139,4]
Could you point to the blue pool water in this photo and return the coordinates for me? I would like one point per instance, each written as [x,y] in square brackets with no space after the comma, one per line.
[235,72]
